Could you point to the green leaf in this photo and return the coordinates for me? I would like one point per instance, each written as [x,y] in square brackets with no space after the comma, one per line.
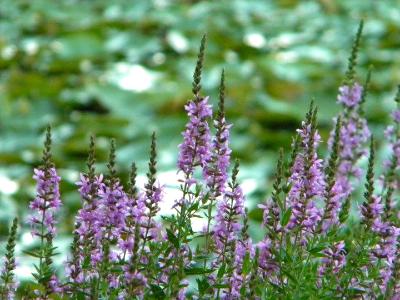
[290,276]
[316,249]
[202,285]
[33,253]
[172,238]
[197,271]
[157,291]
[286,216]
[221,271]
[246,264]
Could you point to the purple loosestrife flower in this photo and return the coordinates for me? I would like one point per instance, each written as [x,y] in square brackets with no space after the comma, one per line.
[46,203]
[373,210]
[153,196]
[238,279]
[307,179]
[333,262]
[134,280]
[85,242]
[216,171]
[350,95]
[385,251]
[112,209]
[390,178]
[227,228]
[112,205]
[271,211]
[268,265]
[354,132]
[227,221]
[88,215]
[195,149]
[42,219]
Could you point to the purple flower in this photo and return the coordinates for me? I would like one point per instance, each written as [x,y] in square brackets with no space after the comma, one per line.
[227,221]
[331,210]
[239,279]
[396,116]
[87,216]
[371,211]
[88,188]
[354,134]
[350,96]
[216,171]
[334,260]
[8,286]
[267,263]
[307,181]
[113,281]
[46,203]
[134,279]
[111,211]
[195,149]
[55,285]
[271,212]
[385,251]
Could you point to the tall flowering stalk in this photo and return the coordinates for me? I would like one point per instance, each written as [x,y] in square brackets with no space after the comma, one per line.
[332,195]
[230,209]
[216,171]
[42,219]
[391,183]
[8,283]
[372,208]
[307,180]
[332,263]
[391,231]
[272,210]
[354,132]
[133,277]
[110,224]
[86,238]
[244,252]
[153,197]
[195,149]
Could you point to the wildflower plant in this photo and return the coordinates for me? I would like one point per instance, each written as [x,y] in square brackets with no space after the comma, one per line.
[320,241]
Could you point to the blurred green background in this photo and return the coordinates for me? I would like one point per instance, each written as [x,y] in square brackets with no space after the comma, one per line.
[123,69]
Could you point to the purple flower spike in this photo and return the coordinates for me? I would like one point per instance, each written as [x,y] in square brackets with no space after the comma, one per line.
[371,212]
[216,175]
[229,210]
[216,171]
[385,251]
[354,135]
[334,260]
[46,203]
[307,181]
[112,210]
[350,96]
[195,149]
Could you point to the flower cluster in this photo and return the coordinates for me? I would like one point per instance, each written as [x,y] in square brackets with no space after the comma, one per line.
[317,238]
